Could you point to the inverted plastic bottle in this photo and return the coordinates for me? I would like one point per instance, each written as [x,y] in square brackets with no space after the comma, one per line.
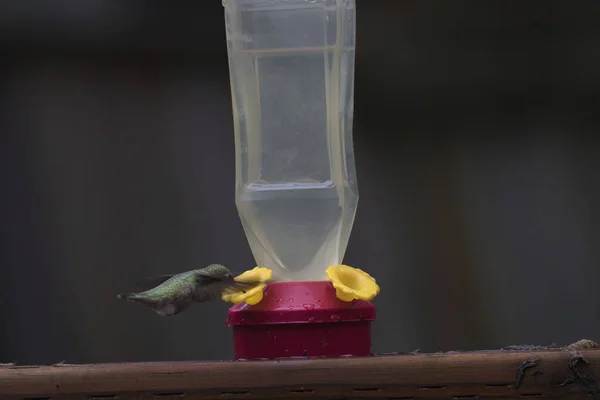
[292,73]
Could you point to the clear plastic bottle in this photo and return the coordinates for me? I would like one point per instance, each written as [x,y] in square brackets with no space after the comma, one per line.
[292,75]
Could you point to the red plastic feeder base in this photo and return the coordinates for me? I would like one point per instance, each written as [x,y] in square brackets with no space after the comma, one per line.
[301,319]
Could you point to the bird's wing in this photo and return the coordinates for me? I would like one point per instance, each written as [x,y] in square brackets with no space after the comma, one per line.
[215,289]
[153,281]
[210,275]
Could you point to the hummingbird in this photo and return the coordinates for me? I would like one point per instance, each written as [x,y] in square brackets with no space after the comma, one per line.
[176,293]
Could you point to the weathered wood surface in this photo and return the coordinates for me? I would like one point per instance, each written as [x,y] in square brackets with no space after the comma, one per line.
[546,374]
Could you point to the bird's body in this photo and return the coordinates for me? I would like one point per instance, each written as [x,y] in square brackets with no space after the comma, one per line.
[176,293]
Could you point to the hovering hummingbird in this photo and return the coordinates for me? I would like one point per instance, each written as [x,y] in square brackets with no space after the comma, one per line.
[175,293]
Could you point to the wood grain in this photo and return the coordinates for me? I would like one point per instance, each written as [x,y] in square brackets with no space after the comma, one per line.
[458,376]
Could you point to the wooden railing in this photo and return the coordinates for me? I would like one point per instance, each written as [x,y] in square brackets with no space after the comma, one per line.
[503,374]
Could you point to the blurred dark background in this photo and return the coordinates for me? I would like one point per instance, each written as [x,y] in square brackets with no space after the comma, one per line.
[477,156]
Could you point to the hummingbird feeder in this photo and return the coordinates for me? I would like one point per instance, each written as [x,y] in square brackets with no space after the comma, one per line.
[291,68]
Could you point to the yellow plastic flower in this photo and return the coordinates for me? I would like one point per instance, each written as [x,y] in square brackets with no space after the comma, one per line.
[255,275]
[254,295]
[352,283]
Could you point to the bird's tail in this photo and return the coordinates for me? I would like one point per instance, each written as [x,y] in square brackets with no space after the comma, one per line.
[126,296]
